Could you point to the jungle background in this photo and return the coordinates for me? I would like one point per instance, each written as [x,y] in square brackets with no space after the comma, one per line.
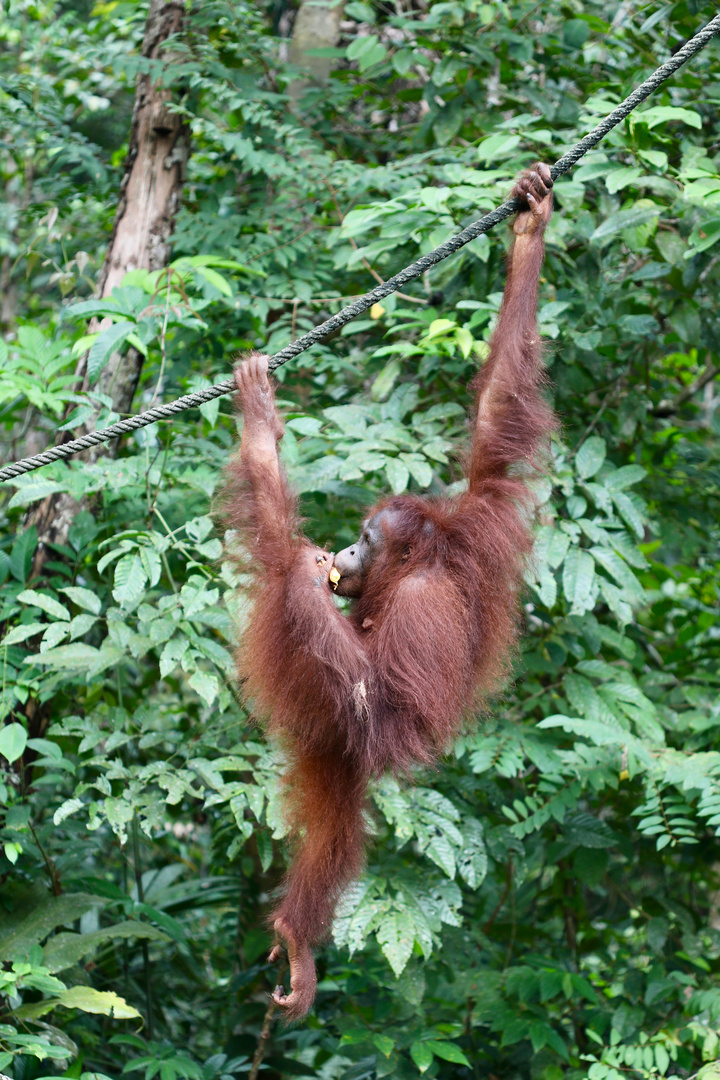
[180,182]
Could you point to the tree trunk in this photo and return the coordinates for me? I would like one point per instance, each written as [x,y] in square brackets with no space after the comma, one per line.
[149,198]
[316,26]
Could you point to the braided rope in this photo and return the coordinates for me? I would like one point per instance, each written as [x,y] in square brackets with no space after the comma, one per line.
[393,284]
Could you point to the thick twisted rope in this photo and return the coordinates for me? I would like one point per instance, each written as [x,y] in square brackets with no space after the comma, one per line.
[393,284]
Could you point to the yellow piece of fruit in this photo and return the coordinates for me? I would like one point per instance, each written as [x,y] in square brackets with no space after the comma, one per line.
[334,577]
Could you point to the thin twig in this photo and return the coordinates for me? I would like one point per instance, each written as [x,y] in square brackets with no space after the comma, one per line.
[596,419]
[163,350]
[265,1031]
[370,269]
[508,884]
[144,945]
[667,408]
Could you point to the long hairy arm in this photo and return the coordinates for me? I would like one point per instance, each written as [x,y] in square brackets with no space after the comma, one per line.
[300,658]
[512,416]
[257,501]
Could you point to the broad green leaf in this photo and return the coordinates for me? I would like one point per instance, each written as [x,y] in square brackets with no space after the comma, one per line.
[622,178]
[65,950]
[440,850]
[625,219]
[496,147]
[172,654]
[304,425]
[213,278]
[590,456]
[23,632]
[206,685]
[625,477]
[419,468]
[84,598]
[384,1043]
[621,572]
[13,740]
[351,419]
[45,914]
[398,475]
[598,733]
[629,513]
[104,1002]
[703,236]
[578,579]
[33,488]
[109,341]
[447,1051]
[472,860]
[661,114]
[355,1036]
[422,1055]
[80,625]
[78,656]
[396,935]
[385,380]
[85,342]
[45,602]
[130,580]
[54,634]
[557,548]
[440,326]
[22,553]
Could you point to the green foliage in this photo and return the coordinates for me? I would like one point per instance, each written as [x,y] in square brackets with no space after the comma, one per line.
[546,903]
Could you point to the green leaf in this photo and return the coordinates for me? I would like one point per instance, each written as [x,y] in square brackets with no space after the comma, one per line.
[448,1052]
[31,489]
[441,852]
[422,1055]
[84,598]
[578,579]
[473,860]
[629,513]
[23,632]
[625,219]
[45,914]
[398,475]
[497,147]
[355,1036]
[213,278]
[110,341]
[103,1002]
[420,469]
[384,1043]
[65,949]
[45,602]
[590,456]
[77,656]
[662,114]
[385,381]
[304,425]
[84,343]
[396,935]
[625,477]
[130,580]
[367,50]
[22,554]
[621,178]
[205,685]
[704,235]
[13,740]
[438,327]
